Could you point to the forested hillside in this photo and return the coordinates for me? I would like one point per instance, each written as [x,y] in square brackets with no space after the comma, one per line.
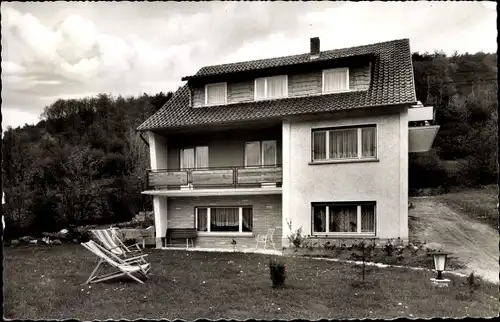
[463,88]
[85,163]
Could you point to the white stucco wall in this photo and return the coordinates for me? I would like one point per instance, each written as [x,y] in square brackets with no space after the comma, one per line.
[157,151]
[385,181]
[158,160]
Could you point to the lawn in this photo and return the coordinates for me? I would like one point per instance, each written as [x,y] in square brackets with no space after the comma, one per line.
[478,203]
[42,282]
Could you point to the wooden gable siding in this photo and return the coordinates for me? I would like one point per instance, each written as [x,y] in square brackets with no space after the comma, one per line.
[299,84]
[239,92]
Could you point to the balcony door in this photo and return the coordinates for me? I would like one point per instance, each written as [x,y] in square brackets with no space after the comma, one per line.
[260,153]
[194,158]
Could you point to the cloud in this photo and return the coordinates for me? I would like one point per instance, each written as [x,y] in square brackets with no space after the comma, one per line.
[14,118]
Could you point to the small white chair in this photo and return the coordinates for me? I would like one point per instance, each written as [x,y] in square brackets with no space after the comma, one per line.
[264,238]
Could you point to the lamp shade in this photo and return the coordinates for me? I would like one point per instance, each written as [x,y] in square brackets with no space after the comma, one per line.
[439,260]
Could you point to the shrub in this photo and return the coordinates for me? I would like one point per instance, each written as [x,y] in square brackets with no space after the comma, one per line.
[130,241]
[389,247]
[83,236]
[277,272]
[295,238]
[472,281]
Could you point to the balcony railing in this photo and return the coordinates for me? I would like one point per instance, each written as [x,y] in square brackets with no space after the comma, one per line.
[216,177]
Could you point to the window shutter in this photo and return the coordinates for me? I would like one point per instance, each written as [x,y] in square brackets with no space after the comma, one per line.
[277,86]
[260,88]
[216,94]
[336,80]
[201,157]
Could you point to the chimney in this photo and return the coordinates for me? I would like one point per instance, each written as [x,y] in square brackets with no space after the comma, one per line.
[314,47]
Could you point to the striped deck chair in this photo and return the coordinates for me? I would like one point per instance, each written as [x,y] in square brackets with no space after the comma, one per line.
[112,243]
[124,267]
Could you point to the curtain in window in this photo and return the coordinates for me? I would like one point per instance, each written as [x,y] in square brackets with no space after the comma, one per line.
[247,218]
[368,219]
[319,219]
[260,88]
[343,218]
[224,219]
[276,86]
[187,158]
[201,157]
[269,151]
[216,94]
[368,141]
[202,219]
[319,145]
[252,153]
[344,144]
[335,80]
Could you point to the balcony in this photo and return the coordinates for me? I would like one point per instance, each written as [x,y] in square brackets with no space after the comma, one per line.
[215,181]
[421,133]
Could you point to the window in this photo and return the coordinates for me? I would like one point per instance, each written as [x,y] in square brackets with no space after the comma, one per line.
[216,94]
[344,143]
[224,219]
[343,218]
[194,158]
[259,153]
[335,80]
[271,87]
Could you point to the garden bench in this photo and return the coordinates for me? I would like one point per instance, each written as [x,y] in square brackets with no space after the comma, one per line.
[181,233]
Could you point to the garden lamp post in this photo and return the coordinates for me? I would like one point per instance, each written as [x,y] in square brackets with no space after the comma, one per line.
[440,265]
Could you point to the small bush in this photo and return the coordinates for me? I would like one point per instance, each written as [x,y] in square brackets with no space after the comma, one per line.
[296,238]
[472,281]
[83,236]
[130,241]
[277,272]
[389,247]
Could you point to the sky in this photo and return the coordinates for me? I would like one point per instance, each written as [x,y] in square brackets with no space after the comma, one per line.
[54,50]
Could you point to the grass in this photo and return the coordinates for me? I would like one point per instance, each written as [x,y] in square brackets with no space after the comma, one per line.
[42,282]
[477,203]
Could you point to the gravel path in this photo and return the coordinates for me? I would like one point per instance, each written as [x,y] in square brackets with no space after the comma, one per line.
[472,242]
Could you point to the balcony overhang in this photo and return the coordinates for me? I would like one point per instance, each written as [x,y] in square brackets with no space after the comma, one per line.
[215,192]
[421,138]
[421,134]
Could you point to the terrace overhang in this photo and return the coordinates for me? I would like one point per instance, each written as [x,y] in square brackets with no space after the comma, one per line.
[421,133]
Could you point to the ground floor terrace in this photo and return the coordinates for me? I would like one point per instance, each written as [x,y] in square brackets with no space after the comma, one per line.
[220,221]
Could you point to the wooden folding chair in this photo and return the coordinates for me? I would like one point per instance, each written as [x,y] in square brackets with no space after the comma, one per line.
[110,240]
[264,238]
[124,267]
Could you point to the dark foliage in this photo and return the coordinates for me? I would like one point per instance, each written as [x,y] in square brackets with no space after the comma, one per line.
[277,272]
[463,89]
[84,163]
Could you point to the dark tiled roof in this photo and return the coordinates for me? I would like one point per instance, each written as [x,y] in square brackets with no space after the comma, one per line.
[392,83]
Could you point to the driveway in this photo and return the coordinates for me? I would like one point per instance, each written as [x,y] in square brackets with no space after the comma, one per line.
[475,244]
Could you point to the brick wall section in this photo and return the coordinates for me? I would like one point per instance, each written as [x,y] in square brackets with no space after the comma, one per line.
[299,84]
[266,214]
